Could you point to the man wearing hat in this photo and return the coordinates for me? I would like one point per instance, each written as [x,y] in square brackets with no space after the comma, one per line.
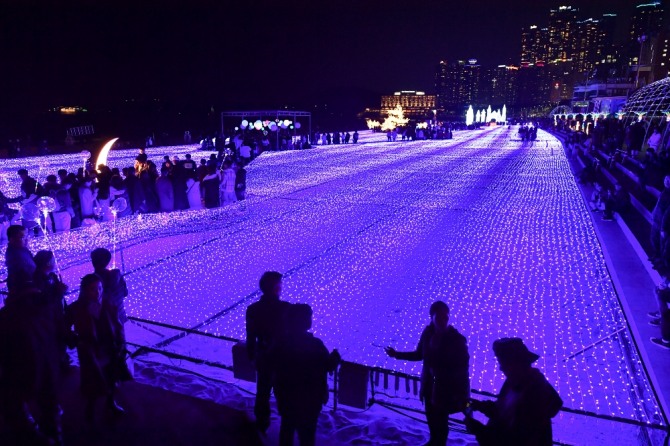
[521,416]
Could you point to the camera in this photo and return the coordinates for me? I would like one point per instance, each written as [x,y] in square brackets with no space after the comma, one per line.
[468,409]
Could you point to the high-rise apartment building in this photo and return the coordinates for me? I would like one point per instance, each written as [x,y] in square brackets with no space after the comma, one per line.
[647,20]
[534,85]
[646,42]
[572,49]
[562,31]
[457,84]
[534,45]
[588,44]
[498,86]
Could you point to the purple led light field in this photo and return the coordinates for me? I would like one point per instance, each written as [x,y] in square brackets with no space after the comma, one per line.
[371,234]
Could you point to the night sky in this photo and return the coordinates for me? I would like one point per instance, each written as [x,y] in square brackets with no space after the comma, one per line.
[240,55]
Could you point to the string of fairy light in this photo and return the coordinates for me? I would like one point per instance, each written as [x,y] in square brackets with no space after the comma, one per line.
[372,234]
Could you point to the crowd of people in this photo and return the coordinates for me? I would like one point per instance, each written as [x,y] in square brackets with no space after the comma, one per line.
[625,142]
[528,132]
[87,196]
[37,327]
[295,364]
[643,146]
[660,257]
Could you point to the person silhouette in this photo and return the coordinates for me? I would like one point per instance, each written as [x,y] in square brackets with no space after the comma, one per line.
[301,365]
[522,413]
[264,324]
[100,346]
[445,379]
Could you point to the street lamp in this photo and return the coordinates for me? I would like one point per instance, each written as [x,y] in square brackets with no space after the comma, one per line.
[586,87]
[640,39]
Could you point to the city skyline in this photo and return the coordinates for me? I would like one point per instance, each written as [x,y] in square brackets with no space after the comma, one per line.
[205,55]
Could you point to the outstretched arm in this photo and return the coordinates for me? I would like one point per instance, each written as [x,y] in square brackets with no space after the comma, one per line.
[415,355]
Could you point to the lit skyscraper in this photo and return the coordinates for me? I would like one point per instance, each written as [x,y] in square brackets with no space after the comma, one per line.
[587,44]
[534,45]
[457,84]
[646,42]
[562,30]
[647,20]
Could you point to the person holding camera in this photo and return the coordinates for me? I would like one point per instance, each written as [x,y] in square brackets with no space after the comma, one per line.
[445,378]
[521,416]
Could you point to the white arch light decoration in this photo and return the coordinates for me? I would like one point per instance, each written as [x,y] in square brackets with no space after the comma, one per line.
[102,157]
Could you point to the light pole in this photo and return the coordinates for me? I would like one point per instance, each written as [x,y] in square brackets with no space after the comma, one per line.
[640,39]
[586,88]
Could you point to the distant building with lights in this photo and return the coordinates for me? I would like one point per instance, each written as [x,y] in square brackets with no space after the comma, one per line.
[572,49]
[498,86]
[601,97]
[647,43]
[561,61]
[415,104]
[535,82]
[562,31]
[534,45]
[457,85]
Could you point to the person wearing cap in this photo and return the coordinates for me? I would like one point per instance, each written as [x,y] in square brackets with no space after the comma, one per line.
[445,378]
[521,416]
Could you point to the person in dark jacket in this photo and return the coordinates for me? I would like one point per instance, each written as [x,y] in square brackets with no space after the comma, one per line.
[47,281]
[445,378]
[178,176]
[114,288]
[521,416]
[100,346]
[241,182]
[133,186]
[264,324]
[18,259]
[31,332]
[301,365]
[30,188]
[660,221]
[210,187]
[165,191]
[145,170]
[52,293]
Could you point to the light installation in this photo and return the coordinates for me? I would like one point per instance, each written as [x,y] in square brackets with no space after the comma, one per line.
[104,152]
[370,235]
[469,116]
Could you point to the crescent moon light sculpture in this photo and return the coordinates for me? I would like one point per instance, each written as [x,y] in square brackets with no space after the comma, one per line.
[102,157]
